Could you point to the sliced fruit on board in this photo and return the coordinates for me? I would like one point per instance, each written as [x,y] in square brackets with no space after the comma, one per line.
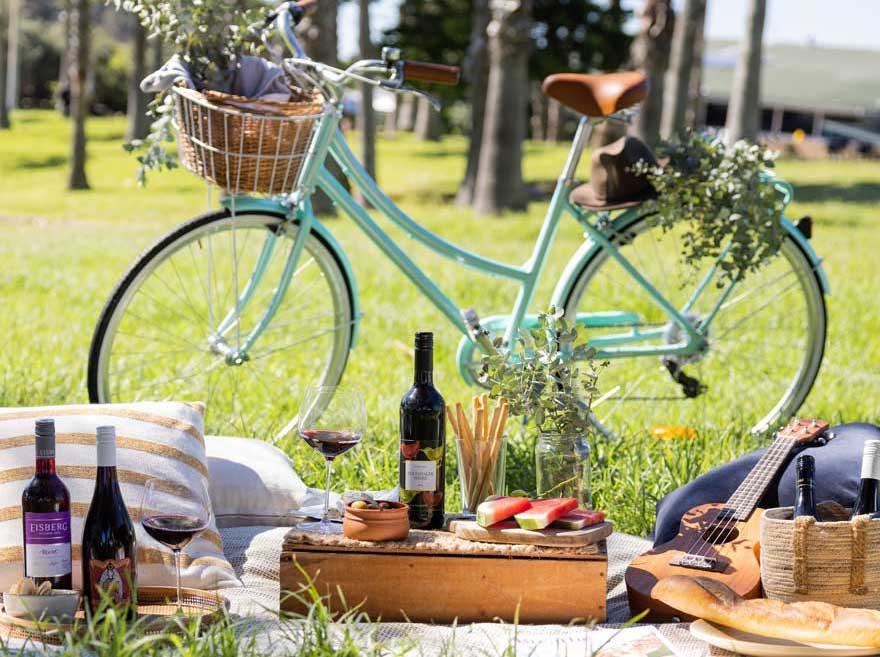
[543,512]
[578,519]
[500,508]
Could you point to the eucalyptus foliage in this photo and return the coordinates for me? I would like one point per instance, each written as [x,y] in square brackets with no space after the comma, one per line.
[210,36]
[551,379]
[723,195]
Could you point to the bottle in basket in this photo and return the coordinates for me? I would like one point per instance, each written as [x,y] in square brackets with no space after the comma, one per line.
[869,489]
[805,503]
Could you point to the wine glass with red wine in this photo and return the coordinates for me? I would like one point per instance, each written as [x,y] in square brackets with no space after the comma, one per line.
[174,520]
[331,420]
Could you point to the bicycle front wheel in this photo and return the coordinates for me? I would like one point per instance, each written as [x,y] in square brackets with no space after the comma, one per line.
[765,343]
[177,318]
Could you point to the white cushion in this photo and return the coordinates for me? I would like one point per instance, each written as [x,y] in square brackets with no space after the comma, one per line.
[162,439]
[252,483]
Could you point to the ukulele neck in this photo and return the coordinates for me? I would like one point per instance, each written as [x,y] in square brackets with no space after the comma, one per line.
[744,500]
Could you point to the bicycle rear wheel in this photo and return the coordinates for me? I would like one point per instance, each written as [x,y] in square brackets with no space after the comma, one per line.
[764,349]
[158,336]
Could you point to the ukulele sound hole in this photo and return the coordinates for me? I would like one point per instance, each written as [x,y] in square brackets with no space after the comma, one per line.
[719,535]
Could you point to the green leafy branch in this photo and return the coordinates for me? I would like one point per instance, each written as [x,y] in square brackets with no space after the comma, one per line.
[551,379]
[723,195]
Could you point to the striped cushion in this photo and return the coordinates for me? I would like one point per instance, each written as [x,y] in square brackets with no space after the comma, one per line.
[161,439]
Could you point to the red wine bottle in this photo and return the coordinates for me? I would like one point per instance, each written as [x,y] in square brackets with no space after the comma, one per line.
[45,513]
[868,498]
[805,503]
[108,545]
[423,442]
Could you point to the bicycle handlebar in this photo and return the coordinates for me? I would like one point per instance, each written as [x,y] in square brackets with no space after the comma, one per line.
[301,9]
[428,72]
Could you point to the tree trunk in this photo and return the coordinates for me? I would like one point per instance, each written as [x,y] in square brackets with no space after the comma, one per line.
[499,182]
[318,36]
[694,106]
[366,117]
[537,120]
[476,72]
[429,127]
[406,113]
[137,99]
[744,110]
[79,102]
[13,63]
[554,120]
[62,91]
[650,54]
[4,52]
[675,100]
[156,53]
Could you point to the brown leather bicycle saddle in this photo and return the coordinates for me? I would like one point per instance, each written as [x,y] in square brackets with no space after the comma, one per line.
[597,95]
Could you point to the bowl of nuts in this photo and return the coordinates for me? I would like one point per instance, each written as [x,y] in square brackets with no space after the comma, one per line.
[367,519]
[26,599]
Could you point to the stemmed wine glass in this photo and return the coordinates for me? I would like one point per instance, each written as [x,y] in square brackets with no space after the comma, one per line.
[332,420]
[173,520]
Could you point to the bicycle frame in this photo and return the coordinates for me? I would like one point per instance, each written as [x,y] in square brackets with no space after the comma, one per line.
[600,231]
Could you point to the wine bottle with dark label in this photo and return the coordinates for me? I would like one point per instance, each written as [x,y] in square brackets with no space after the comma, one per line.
[805,503]
[869,488]
[45,513]
[423,442]
[108,546]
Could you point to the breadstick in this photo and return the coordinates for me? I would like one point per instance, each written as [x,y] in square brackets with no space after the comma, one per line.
[453,422]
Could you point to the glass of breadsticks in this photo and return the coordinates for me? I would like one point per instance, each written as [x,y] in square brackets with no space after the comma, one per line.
[480,445]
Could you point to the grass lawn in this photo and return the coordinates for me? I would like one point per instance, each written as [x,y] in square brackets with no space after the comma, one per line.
[63,251]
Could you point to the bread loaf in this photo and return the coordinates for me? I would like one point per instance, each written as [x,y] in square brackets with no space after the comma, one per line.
[804,622]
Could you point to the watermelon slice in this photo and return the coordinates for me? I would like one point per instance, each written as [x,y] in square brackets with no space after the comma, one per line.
[500,508]
[578,519]
[543,512]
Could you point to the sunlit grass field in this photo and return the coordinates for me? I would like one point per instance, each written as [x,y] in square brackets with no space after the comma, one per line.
[63,251]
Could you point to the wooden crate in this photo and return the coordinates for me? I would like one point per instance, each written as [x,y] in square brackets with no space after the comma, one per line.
[436,577]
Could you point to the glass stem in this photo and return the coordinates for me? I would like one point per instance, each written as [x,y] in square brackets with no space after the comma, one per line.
[177,566]
[326,517]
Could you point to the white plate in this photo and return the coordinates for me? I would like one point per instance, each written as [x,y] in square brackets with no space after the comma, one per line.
[760,646]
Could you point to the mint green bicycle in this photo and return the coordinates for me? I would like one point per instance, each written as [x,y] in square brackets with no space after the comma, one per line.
[246,306]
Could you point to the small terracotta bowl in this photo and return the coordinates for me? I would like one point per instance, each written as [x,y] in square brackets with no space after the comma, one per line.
[377,524]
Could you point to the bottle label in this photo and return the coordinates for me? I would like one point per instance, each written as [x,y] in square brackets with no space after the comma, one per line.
[420,475]
[47,544]
[113,578]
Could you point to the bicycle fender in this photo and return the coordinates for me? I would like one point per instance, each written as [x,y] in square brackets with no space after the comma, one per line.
[275,206]
[589,248]
[807,248]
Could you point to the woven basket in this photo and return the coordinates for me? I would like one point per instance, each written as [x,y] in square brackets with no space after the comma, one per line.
[835,561]
[245,145]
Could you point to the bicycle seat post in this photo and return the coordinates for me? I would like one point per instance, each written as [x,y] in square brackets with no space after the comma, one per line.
[585,127]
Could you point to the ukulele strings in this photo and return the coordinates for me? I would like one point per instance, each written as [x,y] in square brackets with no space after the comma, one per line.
[767,469]
[720,532]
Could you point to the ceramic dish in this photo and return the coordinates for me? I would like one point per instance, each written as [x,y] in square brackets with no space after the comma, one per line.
[377,524]
[59,605]
[760,646]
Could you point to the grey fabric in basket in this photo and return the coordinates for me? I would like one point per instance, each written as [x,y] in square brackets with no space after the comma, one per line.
[255,554]
[254,77]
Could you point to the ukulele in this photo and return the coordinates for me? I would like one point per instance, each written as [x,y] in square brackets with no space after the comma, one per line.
[720,540]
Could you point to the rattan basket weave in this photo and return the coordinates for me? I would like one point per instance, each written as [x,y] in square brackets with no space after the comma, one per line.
[837,561]
[245,145]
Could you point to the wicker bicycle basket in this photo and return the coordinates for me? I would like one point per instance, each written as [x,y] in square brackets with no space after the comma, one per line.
[245,145]
[835,561]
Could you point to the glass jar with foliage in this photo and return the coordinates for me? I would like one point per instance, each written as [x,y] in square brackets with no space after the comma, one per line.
[551,381]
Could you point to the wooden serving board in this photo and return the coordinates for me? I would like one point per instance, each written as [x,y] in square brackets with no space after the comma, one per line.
[509,532]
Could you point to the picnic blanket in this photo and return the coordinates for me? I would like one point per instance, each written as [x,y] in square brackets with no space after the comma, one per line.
[255,554]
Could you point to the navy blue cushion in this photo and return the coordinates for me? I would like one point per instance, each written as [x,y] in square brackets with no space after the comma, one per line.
[838,467]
